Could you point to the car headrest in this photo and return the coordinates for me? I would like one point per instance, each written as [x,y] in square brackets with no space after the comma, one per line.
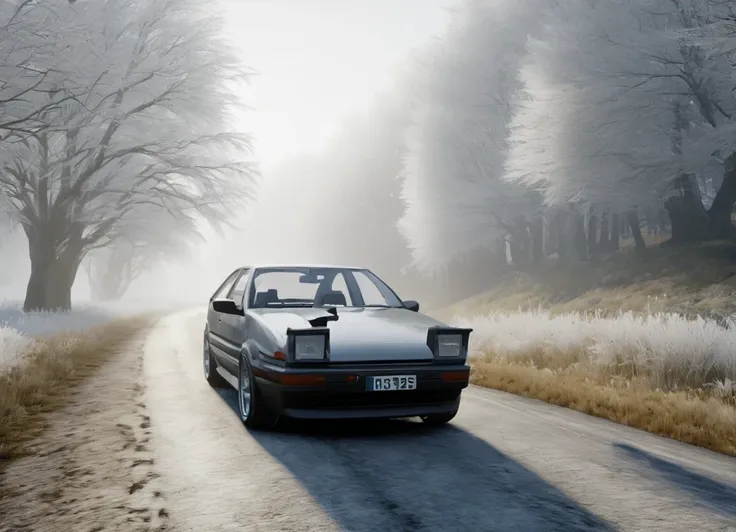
[334,298]
[264,298]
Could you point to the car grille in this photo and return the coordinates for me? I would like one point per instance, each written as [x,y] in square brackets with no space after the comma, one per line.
[383,363]
[376,399]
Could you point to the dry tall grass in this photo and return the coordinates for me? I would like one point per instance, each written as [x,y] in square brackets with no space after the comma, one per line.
[50,369]
[662,373]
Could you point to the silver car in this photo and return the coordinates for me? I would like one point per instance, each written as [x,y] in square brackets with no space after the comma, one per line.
[328,342]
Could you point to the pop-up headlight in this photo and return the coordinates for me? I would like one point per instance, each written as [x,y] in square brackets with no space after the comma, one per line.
[448,342]
[308,345]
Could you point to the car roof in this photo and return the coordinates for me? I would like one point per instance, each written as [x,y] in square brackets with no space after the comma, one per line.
[300,265]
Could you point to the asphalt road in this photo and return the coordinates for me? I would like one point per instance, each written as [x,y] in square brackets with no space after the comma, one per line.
[505,463]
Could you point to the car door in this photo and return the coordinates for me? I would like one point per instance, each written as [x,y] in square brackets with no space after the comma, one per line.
[233,327]
[215,325]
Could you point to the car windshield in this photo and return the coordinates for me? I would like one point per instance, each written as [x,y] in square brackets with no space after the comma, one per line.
[319,287]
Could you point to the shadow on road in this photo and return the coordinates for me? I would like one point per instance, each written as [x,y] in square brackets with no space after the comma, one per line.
[715,496]
[403,475]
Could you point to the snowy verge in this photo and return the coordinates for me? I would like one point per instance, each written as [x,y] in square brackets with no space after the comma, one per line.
[19,329]
[674,352]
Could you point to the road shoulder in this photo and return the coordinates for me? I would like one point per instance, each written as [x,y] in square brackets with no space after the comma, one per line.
[92,469]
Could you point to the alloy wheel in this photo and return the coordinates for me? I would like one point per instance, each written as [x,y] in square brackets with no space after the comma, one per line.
[245,391]
[206,356]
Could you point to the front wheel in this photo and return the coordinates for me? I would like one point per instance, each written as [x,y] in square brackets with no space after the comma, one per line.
[254,411]
[437,420]
[210,366]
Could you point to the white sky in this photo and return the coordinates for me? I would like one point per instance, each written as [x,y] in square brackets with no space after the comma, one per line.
[318,60]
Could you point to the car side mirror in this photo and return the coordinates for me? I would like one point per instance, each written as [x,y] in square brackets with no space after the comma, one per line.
[412,305]
[226,306]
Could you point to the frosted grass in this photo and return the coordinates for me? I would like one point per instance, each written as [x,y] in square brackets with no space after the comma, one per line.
[672,351]
[18,329]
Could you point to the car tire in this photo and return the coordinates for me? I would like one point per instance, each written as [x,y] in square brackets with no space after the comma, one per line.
[210,366]
[258,414]
[437,420]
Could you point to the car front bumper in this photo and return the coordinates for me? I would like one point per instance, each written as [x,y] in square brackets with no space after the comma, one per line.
[341,393]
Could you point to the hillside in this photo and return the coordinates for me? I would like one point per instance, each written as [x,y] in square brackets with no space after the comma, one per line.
[692,280]
[644,339]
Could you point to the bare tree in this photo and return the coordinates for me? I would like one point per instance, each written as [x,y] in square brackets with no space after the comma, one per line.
[148,240]
[631,104]
[28,68]
[150,128]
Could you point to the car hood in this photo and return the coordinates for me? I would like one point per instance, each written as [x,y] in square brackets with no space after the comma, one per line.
[362,334]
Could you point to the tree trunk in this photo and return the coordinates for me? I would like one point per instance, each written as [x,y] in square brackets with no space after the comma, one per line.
[549,236]
[111,281]
[604,243]
[652,222]
[519,245]
[50,284]
[62,276]
[557,234]
[719,215]
[565,233]
[106,287]
[500,253]
[42,252]
[592,233]
[537,237]
[36,289]
[624,228]
[633,219]
[662,220]
[53,270]
[614,241]
[579,242]
[688,218]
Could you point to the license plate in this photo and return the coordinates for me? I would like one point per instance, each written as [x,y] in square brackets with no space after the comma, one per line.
[393,382]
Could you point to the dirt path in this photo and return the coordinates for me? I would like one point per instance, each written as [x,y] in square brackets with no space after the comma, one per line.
[92,470]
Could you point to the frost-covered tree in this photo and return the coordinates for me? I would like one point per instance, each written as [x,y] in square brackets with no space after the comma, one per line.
[705,71]
[586,133]
[149,238]
[719,37]
[359,177]
[154,84]
[456,199]
[624,106]
[28,67]
[588,130]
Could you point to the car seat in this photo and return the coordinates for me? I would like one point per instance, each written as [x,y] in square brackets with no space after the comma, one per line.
[264,298]
[333,298]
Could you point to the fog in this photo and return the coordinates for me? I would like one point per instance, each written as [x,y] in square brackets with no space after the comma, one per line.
[441,143]
[316,65]
[323,69]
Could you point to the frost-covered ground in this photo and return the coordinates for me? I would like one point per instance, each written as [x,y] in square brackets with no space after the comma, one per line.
[18,329]
[672,350]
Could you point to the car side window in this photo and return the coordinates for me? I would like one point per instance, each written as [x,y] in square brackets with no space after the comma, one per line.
[339,285]
[225,287]
[239,288]
[371,294]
